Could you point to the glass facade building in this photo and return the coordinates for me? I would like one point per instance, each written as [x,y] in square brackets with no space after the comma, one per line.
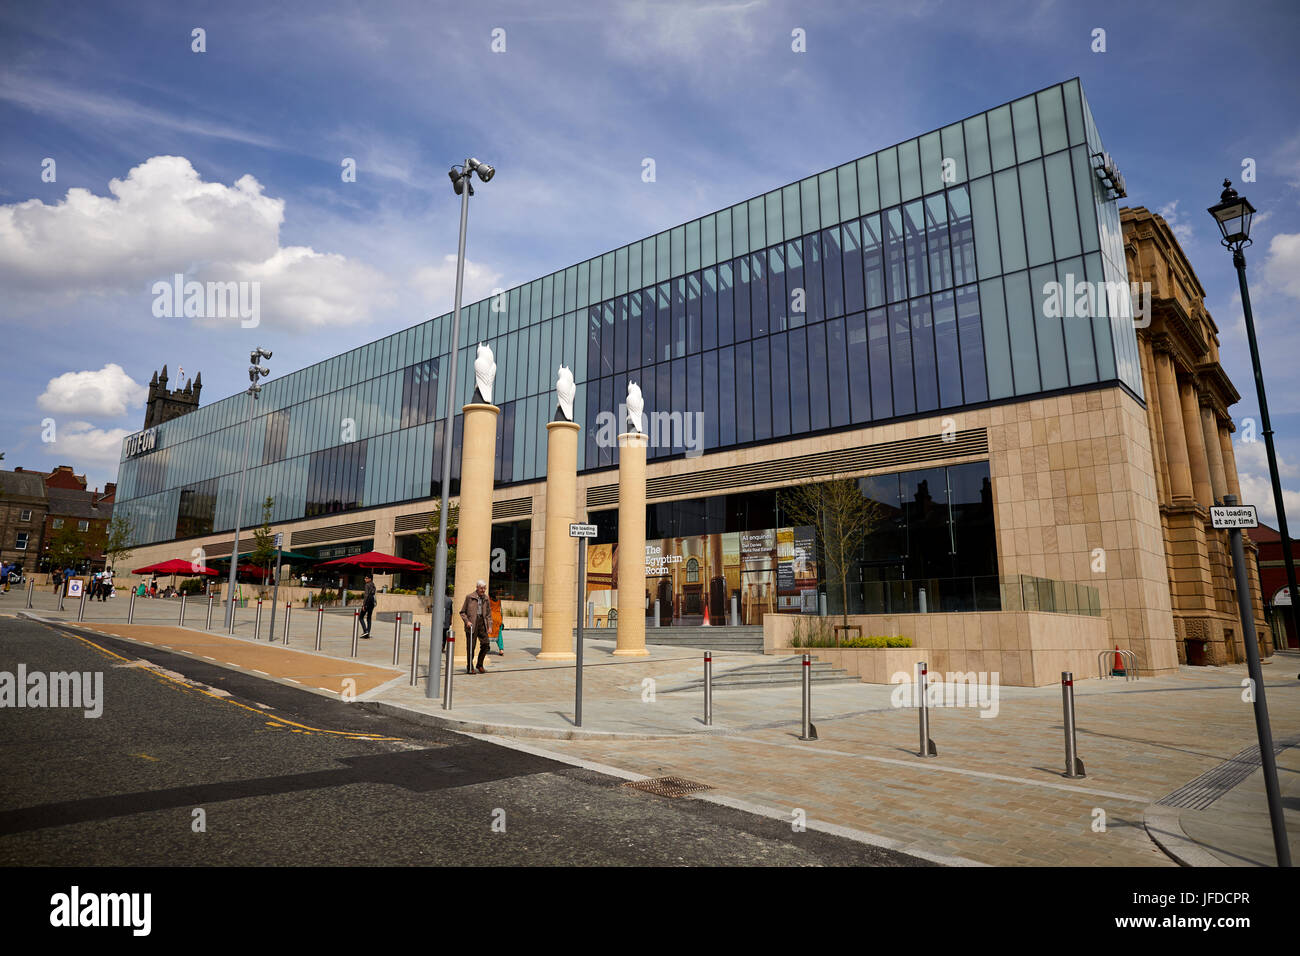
[906,283]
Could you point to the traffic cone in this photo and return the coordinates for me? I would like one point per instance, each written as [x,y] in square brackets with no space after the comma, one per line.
[706,614]
[1118,670]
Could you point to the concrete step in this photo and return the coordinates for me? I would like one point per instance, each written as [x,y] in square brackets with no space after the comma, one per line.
[778,671]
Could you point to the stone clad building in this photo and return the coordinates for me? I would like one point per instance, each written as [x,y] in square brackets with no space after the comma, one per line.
[1188,396]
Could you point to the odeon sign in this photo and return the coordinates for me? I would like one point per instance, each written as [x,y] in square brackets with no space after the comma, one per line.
[141,442]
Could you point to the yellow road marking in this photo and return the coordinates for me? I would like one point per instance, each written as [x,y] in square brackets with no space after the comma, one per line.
[353,735]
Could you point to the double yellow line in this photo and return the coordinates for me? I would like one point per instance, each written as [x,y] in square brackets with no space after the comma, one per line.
[186,685]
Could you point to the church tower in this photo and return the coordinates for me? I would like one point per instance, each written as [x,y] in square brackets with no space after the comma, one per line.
[164,405]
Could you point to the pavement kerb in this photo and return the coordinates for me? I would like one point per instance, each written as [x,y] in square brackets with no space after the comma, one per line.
[1165,828]
[471,726]
[834,829]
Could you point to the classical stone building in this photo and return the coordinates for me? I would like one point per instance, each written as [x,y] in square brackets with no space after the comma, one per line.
[1187,400]
[164,405]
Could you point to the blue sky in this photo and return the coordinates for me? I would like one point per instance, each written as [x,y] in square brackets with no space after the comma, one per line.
[256,128]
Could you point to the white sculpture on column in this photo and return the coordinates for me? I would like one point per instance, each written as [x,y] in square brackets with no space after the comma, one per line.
[485,373]
[565,391]
[635,406]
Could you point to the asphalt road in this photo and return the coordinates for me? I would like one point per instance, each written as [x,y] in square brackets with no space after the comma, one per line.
[284,777]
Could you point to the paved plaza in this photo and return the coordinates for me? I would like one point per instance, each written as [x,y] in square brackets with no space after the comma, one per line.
[995,794]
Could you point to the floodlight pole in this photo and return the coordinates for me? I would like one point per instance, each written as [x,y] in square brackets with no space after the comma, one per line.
[239,507]
[431,687]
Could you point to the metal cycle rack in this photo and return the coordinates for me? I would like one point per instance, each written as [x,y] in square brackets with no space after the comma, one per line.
[1104,659]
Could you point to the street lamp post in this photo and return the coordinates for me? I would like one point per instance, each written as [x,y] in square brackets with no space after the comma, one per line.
[463,186]
[1233,213]
[255,372]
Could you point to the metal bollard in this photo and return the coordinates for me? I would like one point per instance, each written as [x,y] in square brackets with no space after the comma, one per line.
[530,617]
[130,608]
[415,650]
[591,613]
[234,610]
[356,630]
[181,620]
[397,638]
[288,612]
[809,728]
[320,625]
[1073,765]
[62,588]
[449,647]
[207,623]
[927,745]
[257,622]
[30,586]
[81,607]
[656,624]
[735,611]
[708,688]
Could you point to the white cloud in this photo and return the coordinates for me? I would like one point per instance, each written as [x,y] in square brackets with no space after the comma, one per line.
[163,219]
[108,392]
[1257,486]
[89,447]
[1182,230]
[1281,269]
[436,284]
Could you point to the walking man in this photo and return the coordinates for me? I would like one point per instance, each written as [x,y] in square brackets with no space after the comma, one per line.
[477,615]
[368,606]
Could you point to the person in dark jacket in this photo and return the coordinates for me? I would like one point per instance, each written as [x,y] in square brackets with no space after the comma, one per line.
[476,612]
[368,606]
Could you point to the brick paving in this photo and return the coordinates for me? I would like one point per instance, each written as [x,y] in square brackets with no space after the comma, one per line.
[995,793]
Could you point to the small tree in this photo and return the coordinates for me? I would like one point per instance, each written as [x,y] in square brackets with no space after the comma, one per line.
[429,542]
[117,544]
[69,547]
[263,539]
[842,517]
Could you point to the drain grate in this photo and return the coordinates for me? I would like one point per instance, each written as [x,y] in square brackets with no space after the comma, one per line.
[1210,786]
[668,786]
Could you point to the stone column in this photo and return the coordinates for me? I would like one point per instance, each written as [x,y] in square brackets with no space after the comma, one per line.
[559,585]
[1180,475]
[631,545]
[1229,462]
[474,523]
[1153,420]
[1200,464]
[1214,452]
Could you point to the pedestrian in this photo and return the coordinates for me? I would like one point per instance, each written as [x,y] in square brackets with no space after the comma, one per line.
[477,615]
[498,624]
[57,577]
[368,606]
[106,586]
[4,577]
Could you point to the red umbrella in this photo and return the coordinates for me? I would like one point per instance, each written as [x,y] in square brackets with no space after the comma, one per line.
[374,561]
[174,566]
